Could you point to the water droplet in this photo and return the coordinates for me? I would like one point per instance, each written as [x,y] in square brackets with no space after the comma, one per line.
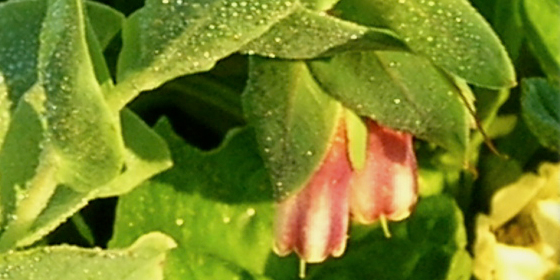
[430,38]
[397,101]
[309,153]
[226,220]
[251,212]
[179,222]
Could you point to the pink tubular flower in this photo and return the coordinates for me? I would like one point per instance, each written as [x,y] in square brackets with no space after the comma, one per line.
[314,221]
[386,187]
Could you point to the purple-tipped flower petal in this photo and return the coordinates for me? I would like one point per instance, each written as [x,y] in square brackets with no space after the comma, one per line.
[314,221]
[386,187]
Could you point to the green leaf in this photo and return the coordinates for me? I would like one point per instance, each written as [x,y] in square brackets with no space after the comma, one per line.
[543,32]
[508,24]
[539,105]
[167,39]
[20,152]
[307,34]
[102,24]
[449,32]
[105,21]
[20,25]
[146,155]
[61,131]
[293,118]
[142,260]
[82,133]
[217,205]
[399,90]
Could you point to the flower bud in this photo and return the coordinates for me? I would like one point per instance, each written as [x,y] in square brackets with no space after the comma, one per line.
[386,186]
[314,221]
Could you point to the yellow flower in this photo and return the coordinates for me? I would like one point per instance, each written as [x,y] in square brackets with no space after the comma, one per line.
[520,238]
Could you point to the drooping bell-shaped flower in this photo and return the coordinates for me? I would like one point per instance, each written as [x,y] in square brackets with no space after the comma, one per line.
[386,187]
[314,221]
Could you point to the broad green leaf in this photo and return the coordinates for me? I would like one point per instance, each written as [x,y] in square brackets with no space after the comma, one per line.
[543,31]
[449,32]
[20,26]
[399,90]
[218,207]
[146,155]
[167,39]
[102,24]
[428,245]
[20,151]
[507,23]
[82,134]
[61,130]
[307,34]
[142,260]
[293,118]
[105,21]
[540,109]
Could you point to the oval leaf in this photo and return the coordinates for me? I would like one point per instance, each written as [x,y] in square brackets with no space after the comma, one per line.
[81,130]
[142,261]
[399,90]
[167,39]
[543,31]
[449,32]
[539,103]
[294,120]
[307,34]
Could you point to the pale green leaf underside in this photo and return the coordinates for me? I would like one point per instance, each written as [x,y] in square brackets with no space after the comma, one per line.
[449,32]
[82,133]
[62,140]
[146,155]
[399,90]
[293,118]
[141,261]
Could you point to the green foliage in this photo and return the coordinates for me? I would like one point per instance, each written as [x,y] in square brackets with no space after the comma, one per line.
[223,223]
[540,111]
[140,261]
[290,72]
